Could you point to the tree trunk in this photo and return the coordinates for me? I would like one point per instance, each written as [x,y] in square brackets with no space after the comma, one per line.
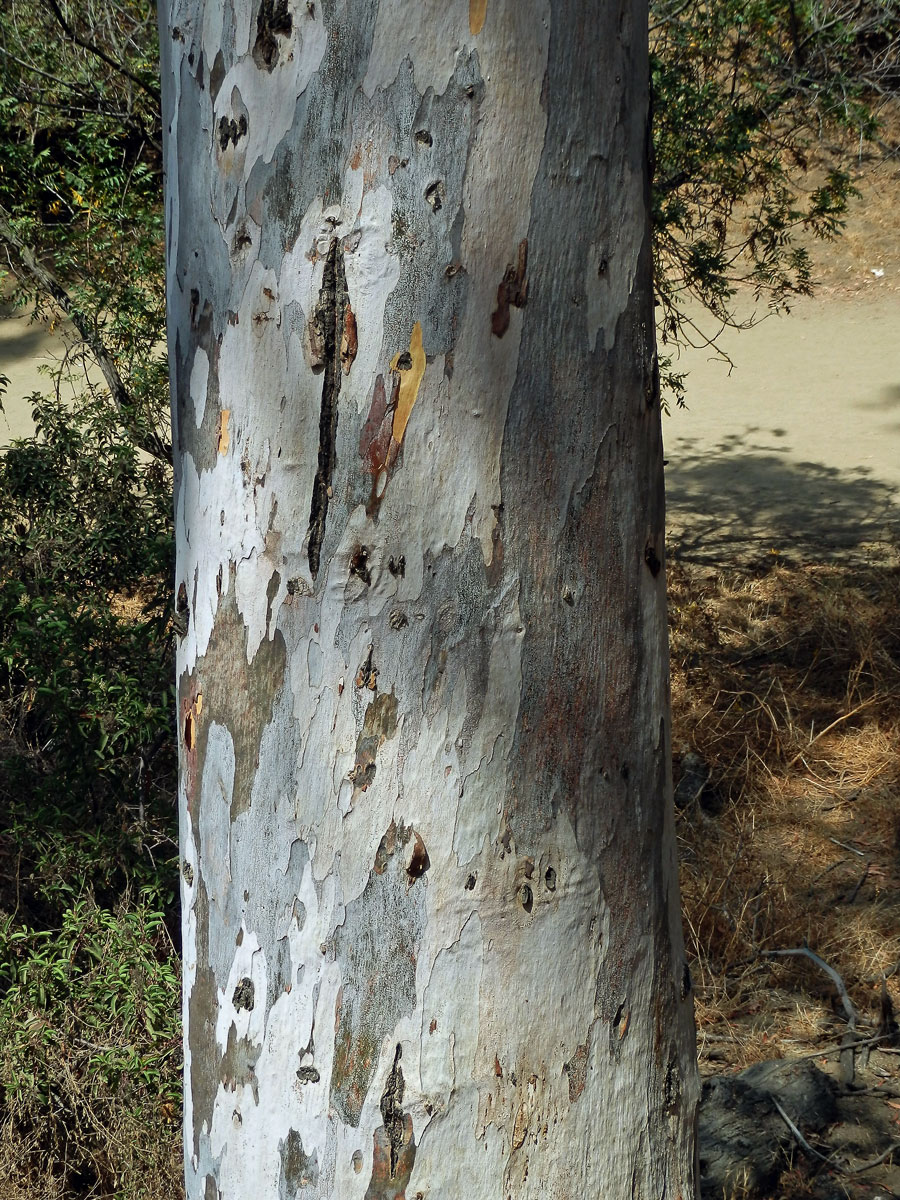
[431,926]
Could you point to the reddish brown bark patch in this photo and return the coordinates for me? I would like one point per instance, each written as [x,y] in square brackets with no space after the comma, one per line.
[576,1069]
[513,290]
[394,1146]
[377,446]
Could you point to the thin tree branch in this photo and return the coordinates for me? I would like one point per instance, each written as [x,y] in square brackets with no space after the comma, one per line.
[844,995]
[102,55]
[124,401]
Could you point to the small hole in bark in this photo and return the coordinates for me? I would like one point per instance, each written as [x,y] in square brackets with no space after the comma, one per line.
[434,194]
[244,995]
[603,267]
[419,862]
[526,897]
[685,982]
[404,361]
[470,882]
[274,20]
[189,732]
[651,559]
[397,566]
[181,604]
[550,879]
[424,138]
[308,1075]
[359,561]
[231,131]
[188,872]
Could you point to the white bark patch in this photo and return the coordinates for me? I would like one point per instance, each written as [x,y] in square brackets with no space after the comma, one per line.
[242,1000]
[513,53]
[271,97]
[449,1030]
[189,871]
[483,773]
[225,515]
[248,1129]
[430,36]
[372,274]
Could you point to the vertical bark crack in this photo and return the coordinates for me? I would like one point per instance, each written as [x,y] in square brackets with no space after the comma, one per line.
[392,1112]
[328,319]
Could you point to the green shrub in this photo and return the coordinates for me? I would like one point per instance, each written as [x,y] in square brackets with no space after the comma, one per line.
[89,1054]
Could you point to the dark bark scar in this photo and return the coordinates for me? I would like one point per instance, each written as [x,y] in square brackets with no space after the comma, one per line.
[513,290]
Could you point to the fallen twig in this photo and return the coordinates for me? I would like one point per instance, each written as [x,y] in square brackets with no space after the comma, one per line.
[846,717]
[862,880]
[848,1047]
[846,846]
[804,1144]
[829,971]
[875,1161]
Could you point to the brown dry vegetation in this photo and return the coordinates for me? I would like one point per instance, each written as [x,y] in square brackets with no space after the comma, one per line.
[786,688]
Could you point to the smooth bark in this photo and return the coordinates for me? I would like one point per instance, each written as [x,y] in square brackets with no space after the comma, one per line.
[432,940]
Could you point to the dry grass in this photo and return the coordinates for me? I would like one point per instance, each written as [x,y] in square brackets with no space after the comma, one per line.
[787,685]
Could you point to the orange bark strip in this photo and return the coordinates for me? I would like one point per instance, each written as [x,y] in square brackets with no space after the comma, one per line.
[224,437]
[410,367]
[477,13]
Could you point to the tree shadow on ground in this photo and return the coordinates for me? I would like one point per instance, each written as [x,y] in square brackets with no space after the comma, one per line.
[750,507]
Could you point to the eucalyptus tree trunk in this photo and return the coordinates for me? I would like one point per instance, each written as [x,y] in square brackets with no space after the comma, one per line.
[431,926]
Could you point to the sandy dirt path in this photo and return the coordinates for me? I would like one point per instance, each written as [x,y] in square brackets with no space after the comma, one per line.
[796,450]
[793,452]
[25,347]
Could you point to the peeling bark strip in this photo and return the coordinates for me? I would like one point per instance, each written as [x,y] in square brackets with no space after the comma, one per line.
[430,905]
[330,321]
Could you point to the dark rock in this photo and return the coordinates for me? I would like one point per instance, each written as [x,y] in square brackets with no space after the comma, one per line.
[693,786]
[744,1142]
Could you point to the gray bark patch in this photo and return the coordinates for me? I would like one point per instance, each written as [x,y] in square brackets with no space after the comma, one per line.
[299,1170]
[376,948]
[239,1063]
[236,695]
[202,1009]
